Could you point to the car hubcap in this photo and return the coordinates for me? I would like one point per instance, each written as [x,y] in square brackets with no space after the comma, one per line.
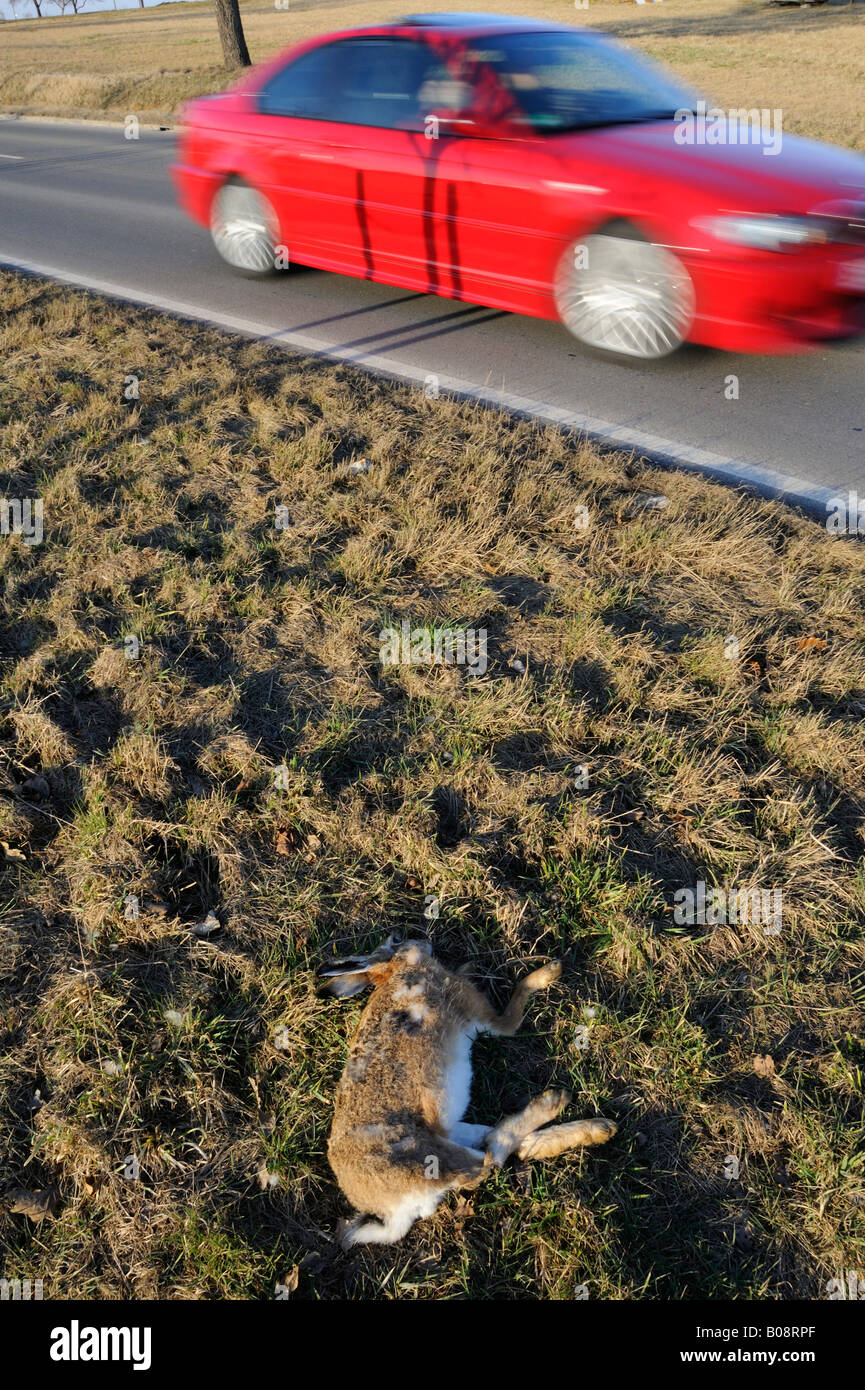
[626,296]
[243,228]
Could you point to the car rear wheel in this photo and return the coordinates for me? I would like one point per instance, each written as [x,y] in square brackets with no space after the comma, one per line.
[622,295]
[245,229]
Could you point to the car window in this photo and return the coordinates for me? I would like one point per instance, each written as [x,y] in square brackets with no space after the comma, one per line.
[384,82]
[566,81]
[301,88]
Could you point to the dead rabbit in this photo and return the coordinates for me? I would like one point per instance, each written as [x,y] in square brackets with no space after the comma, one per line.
[398,1142]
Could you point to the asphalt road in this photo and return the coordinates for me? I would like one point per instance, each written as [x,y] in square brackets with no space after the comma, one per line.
[83,203]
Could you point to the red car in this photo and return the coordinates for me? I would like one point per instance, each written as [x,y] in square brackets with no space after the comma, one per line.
[536,168]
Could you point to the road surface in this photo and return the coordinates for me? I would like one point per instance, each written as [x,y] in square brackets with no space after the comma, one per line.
[85,204]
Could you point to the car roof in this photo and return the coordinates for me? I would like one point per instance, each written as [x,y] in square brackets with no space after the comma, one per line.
[466,25]
[468,19]
[470,23]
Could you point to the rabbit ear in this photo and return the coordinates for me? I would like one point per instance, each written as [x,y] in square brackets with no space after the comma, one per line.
[345,965]
[344,977]
[349,974]
[345,984]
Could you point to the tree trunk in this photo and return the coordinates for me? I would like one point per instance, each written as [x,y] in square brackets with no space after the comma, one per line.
[234,49]
[37,7]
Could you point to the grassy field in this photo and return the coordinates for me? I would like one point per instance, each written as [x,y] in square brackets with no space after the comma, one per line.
[171,1092]
[808,62]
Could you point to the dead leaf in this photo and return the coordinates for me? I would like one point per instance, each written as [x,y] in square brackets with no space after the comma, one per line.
[37,1205]
[810,644]
[14,854]
[210,924]
[288,840]
[313,845]
[523,1177]
[763,1065]
[463,1211]
[646,502]
[743,1234]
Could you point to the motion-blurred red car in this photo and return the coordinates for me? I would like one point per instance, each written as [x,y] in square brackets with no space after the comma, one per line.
[537,168]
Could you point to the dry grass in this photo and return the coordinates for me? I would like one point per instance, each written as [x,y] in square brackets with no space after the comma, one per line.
[808,62]
[210,1060]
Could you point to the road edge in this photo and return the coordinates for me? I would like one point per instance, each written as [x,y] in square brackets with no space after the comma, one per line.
[754,478]
[113,123]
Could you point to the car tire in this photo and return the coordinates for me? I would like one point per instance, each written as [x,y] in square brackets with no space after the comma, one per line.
[245,230]
[624,296]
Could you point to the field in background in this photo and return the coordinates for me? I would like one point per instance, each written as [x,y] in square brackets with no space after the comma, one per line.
[171,1092]
[808,62]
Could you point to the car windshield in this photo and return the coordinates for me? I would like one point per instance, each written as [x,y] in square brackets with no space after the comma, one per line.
[565,81]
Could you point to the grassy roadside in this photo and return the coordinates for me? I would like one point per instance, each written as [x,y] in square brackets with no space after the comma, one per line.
[810,62]
[209,1061]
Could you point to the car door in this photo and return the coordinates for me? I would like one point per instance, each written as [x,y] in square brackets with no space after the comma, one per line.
[343,152]
[292,161]
[498,197]
[384,150]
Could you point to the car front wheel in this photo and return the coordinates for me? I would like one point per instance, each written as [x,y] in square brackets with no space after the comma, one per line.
[245,230]
[624,296]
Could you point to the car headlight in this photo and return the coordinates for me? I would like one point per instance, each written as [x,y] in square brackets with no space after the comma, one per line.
[766,233]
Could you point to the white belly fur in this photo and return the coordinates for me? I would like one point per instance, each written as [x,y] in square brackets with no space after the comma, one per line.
[458,1080]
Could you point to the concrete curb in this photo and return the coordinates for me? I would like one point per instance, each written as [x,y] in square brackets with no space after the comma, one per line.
[87,121]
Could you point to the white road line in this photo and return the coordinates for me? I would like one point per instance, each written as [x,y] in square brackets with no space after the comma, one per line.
[11,156]
[754,477]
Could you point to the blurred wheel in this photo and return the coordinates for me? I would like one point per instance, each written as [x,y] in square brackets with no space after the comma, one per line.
[623,295]
[245,229]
